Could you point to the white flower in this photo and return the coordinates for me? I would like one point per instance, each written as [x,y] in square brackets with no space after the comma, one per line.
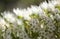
[42,25]
[29,10]
[18,12]
[19,22]
[2,24]
[52,17]
[9,16]
[54,2]
[44,5]
[26,14]
[34,9]
[51,6]
[2,21]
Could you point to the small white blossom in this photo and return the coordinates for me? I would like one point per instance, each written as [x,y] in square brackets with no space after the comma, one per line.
[42,26]
[2,24]
[9,16]
[44,5]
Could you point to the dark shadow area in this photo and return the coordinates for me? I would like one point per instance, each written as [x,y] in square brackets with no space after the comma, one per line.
[8,5]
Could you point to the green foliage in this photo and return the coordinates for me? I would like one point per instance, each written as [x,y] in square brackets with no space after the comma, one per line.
[58,6]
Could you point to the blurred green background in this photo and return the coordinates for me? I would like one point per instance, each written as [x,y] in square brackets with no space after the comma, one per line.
[10,4]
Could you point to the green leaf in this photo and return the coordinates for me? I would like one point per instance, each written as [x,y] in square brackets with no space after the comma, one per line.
[58,6]
[34,16]
[19,17]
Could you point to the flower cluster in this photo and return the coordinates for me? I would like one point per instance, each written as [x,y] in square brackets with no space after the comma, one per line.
[37,22]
